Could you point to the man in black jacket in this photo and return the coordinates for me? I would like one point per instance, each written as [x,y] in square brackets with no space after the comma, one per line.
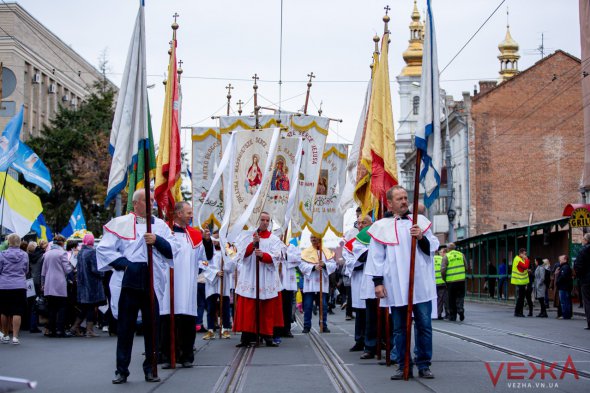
[565,284]
[582,269]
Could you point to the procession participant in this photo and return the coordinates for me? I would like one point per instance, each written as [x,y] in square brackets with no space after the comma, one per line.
[123,248]
[260,250]
[388,264]
[288,274]
[214,274]
[313,260]
[355,254]
[193,247]
[441,286]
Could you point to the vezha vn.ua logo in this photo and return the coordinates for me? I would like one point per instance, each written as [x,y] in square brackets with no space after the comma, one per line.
[521,370]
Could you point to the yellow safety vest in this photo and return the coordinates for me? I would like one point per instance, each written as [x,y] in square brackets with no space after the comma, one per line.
[518,278]
[456,266]
[437,273]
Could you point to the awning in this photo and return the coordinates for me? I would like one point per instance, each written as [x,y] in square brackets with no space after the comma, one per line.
[573,206]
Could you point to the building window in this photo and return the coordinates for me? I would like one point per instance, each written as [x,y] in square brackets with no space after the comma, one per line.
[415,105]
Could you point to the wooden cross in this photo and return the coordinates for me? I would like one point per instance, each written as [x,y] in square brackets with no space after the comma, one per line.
[255,77]
[175,16]
[180,63]
[311,76]
[229,87]
[240,103]
[386,8]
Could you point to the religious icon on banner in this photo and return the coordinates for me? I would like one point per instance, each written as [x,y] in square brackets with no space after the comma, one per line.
[254,176]
[280,175]
[323,183]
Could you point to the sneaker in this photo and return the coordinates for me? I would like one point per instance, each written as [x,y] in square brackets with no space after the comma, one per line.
[105,329]
[348,318]
[15,341]
[226,334]
[426,373]
[5,339]
[210,335]
[398,375]
[277,340]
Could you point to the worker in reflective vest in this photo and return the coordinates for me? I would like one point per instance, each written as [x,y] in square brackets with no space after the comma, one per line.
[520,278]
[441,287]
[453,268]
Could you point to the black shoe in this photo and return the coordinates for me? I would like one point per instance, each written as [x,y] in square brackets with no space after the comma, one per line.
[462,316]
[426,373]
[35,330]
[325,330]
[187,364]
[452,319]
[519,315]
[166,366]
[243,344]
[530,314]
[399,374]
[119,379]
[149,377]
[440,318]
[270,343]
[305,330]
[357,347]
[368,355]
[288,335]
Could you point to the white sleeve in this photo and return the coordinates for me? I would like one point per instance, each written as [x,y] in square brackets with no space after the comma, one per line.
[306,268]
[376,259]
[107,251]
[434,242]
[331,266]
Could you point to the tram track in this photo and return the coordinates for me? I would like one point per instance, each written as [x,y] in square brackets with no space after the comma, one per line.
[508,351]
[232,378]
[529,337]
[340,376]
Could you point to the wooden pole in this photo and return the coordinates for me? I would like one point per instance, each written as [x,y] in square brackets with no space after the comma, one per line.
[379,329]
[222,278]
[148,217]
[257,311]
[412,266]
[321,288]
[311,76]
[256,107]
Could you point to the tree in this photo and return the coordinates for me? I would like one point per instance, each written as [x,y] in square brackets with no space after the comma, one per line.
[74,146]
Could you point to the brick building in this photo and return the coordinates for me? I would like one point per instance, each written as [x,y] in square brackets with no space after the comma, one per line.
[526,145]
[40,71]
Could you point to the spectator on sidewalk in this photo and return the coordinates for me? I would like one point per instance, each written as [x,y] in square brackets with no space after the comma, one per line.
[565,284]
[539,286]
[582,269]
[502,281]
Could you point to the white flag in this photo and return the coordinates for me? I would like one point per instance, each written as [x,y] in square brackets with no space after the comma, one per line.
[428,138]
[130,124]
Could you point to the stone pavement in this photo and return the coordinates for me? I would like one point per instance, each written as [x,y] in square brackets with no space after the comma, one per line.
[87,365]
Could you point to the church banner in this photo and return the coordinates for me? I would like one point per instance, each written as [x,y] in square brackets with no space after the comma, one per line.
[229,124]
[246,187]
[332,178]
[313,130]
[206,158]
[280,199]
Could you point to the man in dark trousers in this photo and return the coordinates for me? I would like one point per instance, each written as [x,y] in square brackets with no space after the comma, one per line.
[582,269]
[565,284]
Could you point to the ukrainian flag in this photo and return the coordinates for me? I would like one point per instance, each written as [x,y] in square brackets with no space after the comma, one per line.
[43,231]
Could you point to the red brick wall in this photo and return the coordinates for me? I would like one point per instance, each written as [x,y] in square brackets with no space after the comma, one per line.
[527,145]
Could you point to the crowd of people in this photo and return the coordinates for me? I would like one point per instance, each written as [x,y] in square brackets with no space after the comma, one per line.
[256,285]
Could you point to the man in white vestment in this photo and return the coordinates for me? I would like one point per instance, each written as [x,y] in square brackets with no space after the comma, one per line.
[193,248]
[266,248]
[315,260]
[215,274]
[123,248]
[355,253]
[388,264]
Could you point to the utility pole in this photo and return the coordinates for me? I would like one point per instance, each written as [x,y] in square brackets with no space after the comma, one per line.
[451,213]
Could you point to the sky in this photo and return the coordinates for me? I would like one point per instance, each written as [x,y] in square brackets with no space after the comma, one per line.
[227,41]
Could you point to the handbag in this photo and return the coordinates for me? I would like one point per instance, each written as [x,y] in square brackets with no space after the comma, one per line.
[30,288]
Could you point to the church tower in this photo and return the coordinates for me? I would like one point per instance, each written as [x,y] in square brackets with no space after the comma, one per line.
[508,56]
[409,91]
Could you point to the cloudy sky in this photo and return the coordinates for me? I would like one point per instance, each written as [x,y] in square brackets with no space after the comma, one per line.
[227,41]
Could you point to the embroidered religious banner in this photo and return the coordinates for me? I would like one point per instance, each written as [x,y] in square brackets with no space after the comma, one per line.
[332,178]
[280,199]
[206,158]
[252,154]
[313,130]
[229,124]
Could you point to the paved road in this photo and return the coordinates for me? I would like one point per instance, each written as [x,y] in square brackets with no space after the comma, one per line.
[87,365]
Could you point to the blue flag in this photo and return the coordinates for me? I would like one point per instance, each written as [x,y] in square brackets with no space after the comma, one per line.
[428,138]
[10,139]
[76,223]
[30,165]
[43,231]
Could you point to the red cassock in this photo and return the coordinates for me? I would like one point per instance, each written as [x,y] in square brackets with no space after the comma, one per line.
[271,310]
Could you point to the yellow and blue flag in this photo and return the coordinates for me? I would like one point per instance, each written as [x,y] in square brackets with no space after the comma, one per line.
[41,228]
[19,206]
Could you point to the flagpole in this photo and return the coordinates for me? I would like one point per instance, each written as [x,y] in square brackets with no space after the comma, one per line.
[412,266]
[2,199]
